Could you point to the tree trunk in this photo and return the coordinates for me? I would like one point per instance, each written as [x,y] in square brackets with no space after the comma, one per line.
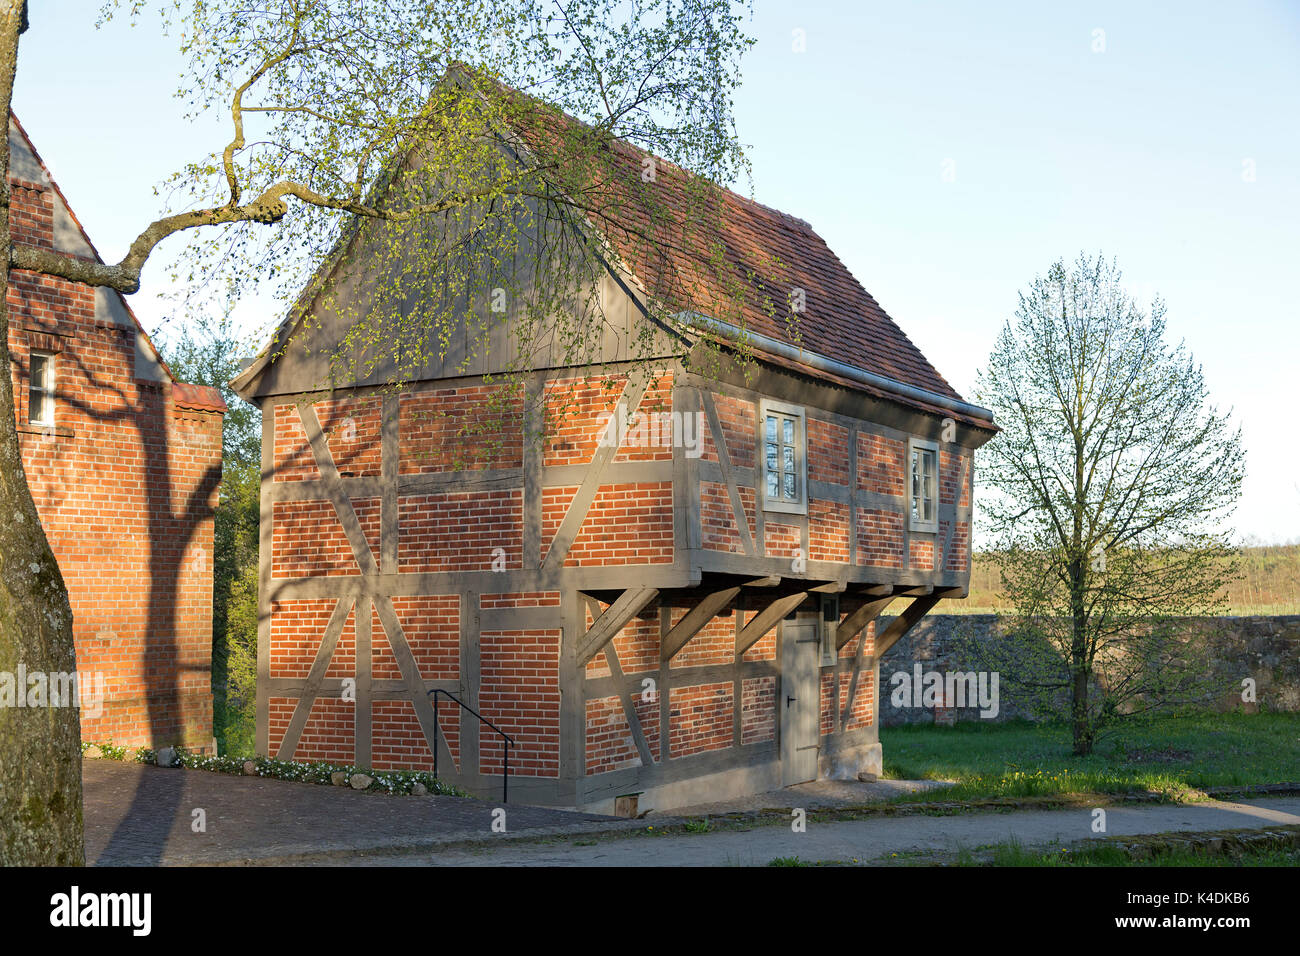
[40,746]
[1080,725]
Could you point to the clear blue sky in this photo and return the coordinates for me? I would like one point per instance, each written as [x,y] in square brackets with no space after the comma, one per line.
[1138,152]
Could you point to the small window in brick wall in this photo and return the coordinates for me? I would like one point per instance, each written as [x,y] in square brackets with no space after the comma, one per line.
[924,458]
[40,391]
[785,464]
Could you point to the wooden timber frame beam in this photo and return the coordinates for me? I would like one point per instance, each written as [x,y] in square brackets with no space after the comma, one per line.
[919,607]
[627,606]
[767,619]
[695,619]
[853,625]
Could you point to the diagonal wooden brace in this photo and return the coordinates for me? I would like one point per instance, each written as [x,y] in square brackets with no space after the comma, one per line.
[695,619]
[629,605]
[766,619]
[852,625]
[904,623]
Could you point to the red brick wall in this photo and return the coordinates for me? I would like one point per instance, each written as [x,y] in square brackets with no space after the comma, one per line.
[828,531]
[609,738]
[828,452]
[700,718]
[399,742]
[125,485]
[350,425]
[828,702]
[307,537]
[626,524]
[637,645]
[781,540]
[718,528]
[957,556]
[520,693]
[329,734]
[736,416]
[758,710]
[458,429]
[461,531]
[880,464]
[577,413]
[880,538]
[431,626]
[296,630]
[765,648]
[862,711]
[649,433]
[714,644]
[954,478]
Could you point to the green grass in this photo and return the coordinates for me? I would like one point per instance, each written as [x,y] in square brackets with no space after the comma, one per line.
[1013,854]
[1169,756]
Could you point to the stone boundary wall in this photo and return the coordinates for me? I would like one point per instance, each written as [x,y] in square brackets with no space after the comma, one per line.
[1264,648]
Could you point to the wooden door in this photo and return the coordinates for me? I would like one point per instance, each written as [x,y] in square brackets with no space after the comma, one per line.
[799,701]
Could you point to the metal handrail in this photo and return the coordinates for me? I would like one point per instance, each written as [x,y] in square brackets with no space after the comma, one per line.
[509,741]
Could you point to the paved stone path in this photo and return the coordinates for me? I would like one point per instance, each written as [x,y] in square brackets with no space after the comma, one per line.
[818,795]
[138,815]
[863,841]
[142,816]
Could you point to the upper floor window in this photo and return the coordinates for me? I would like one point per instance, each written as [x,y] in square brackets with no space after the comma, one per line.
[924,457]
[785,465]
[40,391]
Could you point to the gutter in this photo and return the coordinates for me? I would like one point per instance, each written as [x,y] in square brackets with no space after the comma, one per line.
[830,365]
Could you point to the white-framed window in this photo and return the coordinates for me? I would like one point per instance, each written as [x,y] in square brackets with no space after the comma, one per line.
[829,624]
[40,389]
[923,485]
[785,457]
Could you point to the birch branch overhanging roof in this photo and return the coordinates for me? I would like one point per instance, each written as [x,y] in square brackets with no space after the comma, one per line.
[754,258]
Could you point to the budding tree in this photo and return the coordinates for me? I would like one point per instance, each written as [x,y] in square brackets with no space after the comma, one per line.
[352,124]
[1105,496]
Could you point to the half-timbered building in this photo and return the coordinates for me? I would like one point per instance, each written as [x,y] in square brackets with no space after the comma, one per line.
[681,591]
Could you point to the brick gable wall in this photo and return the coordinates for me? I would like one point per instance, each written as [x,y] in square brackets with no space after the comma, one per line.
[125,484]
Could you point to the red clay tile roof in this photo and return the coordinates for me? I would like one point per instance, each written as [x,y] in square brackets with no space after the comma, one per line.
[202,398]
[762,256]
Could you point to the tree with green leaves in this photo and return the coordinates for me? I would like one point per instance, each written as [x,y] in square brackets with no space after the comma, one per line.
[206,352]
[495,122]
[1105,497]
